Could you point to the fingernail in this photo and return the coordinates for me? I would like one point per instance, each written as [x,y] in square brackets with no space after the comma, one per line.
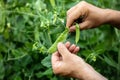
[60,43]
[78,47]
[71,29]
[68,42]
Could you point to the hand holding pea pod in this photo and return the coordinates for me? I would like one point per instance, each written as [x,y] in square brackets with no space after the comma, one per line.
[61,38]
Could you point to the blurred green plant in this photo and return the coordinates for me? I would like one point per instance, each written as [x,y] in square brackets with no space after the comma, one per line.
[26,25]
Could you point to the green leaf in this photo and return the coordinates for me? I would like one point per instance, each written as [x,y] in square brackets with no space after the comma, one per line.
[48,72]
[110,61]
[39,74]
[2,70]
[47,61]
[17,78]
[39,5]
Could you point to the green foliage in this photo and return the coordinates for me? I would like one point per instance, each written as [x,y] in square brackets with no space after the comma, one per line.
[29,27]
[2,71]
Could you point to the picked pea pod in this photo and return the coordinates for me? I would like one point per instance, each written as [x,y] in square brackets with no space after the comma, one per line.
[77,33]
[61,38]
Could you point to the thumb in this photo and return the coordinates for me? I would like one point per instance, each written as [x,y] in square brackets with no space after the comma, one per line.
[63,50]
[83,25]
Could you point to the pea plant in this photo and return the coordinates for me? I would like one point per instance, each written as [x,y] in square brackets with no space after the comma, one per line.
[31,29]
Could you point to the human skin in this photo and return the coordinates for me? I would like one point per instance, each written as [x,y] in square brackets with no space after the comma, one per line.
[65,62]
[92,16]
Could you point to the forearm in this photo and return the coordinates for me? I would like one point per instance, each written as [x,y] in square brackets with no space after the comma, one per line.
[97,76]
[93,75]
[88,73]
[113,17]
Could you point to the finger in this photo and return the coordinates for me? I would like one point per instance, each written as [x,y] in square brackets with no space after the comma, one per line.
[72,17]
[62,50]
[67,44]
[76,50]
[71,10]
[84,25]
[55,57]
[72,47]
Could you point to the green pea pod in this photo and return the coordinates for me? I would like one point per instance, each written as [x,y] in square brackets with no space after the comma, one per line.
[61,38]
[52,3]
[77,33]
[2,20]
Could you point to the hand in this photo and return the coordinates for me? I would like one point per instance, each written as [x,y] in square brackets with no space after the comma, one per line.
[66,63]
[59,60]
[92,16]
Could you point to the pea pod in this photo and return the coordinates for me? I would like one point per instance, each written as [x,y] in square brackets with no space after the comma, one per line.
[61,38]
[52,3]
[77,33]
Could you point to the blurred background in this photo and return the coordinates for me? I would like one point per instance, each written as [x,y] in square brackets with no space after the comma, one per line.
[29,27]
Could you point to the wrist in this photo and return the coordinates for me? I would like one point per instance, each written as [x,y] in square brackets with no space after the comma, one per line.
[106,16]
[112,17]
[81,73]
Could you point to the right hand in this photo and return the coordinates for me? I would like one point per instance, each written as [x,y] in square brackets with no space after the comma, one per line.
[92,16]
[66,63]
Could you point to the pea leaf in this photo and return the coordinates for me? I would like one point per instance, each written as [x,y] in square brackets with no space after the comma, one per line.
[47,61]
[2,70]
[48,72]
